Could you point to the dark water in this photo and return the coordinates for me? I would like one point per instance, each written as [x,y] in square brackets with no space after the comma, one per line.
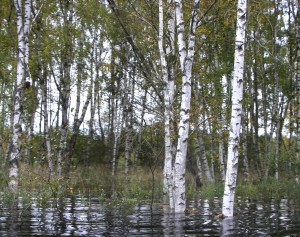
[80,216]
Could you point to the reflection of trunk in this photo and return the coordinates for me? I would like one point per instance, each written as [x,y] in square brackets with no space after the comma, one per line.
[236,110]
[15,211]
[228,227]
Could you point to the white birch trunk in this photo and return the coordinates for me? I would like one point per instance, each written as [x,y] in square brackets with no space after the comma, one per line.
[221,148]
[139,139]
[129,120]
[213,154]
[186,54]
[46,124]
[276,114]
[22,60]
[236,111]
[297,175]
[65,84]
[117,130]
[245,150]
[93,93]
[201,156]
[168,181]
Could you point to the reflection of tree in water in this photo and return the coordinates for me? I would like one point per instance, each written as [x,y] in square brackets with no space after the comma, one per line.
[13,218]
[228,226]
[81,216]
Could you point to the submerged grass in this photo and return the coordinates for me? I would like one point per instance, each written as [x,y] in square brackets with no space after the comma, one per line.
[270,188]
[139,186]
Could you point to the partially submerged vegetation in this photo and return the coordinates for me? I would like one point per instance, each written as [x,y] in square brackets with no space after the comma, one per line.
[139,186]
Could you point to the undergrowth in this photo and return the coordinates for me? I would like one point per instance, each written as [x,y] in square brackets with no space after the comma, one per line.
[139,186]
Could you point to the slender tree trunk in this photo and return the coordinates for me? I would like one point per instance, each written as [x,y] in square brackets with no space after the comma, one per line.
[22,64]
[236,110]
[129,119]
[46,120]
[255,109]
[297,167]
[94,91]
[201,128]
[291,78]
[245,148]
[118,121]
[168,99]
[65,83]
[186,54]
[221,149]
[266,139]
[222,121]
[275,110]
[77,123]
[139,138]
[213,153]
[201,155]
[78,120]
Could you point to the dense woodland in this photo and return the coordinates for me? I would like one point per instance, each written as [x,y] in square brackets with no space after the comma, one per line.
[102,80]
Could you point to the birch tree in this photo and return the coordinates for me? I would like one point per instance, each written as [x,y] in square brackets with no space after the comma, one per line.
[168,81]
[65,82]
[23,15]
[236,110]
[298,92]
[186,56]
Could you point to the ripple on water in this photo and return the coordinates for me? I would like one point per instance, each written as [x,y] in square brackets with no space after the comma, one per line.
[80,216]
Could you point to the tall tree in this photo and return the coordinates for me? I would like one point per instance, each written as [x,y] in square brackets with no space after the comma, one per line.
[298,93]
[236,110]
[168,79]
[23,17]
[186,56]
[65,82]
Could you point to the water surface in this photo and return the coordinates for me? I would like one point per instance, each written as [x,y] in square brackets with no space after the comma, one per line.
[81,216]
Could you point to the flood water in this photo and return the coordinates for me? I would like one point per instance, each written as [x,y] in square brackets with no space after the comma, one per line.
[79,216]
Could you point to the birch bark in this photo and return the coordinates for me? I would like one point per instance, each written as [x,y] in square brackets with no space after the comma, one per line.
[23,25]
[186,56]
[298,94]
[46,121]
[65,83]
[200,148]
[140,130]
[168,99]
[128,113]
[236,110]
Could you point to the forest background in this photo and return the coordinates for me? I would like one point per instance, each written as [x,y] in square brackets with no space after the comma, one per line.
[93,92]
